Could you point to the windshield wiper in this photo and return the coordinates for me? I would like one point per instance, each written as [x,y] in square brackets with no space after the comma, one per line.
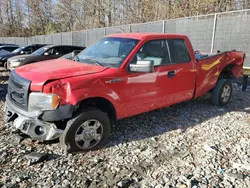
[96,62]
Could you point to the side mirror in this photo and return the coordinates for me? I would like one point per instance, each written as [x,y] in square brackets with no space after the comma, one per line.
[22,52]
[142,66]
[46,53]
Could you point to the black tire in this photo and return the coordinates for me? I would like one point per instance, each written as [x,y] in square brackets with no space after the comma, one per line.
[217,93]
[68,139]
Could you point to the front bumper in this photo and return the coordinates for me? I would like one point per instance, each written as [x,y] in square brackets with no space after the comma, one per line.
[28,123]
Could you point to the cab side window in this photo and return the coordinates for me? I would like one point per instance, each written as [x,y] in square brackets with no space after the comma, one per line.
[155,50]
[178,50]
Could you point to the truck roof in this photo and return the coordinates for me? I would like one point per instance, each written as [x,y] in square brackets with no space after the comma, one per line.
[139,36]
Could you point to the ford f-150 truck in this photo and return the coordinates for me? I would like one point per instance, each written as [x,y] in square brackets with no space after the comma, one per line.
[119,76]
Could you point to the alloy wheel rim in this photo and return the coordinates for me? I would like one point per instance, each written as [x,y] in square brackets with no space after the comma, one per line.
[88,134]
[226,93]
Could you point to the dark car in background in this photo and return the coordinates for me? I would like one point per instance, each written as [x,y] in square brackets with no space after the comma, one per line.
[6,49]
[19,51]
[45,53]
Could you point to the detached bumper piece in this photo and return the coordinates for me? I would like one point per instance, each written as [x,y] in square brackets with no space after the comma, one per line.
[35,157]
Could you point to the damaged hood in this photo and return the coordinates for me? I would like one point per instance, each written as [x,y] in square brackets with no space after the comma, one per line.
[39,73]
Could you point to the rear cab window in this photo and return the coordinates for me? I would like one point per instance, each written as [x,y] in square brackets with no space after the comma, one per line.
[178,51]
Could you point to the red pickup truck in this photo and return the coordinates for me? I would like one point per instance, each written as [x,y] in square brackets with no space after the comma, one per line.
[120,75]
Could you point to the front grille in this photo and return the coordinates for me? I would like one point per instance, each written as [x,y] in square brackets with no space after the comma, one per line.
[18,90]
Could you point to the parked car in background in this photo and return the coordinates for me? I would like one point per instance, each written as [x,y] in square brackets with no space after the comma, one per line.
[45,53]
[119,76]
[6,49]
[70,55]
[20,51]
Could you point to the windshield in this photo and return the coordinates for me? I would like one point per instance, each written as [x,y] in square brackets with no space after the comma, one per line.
[17,50]
[109,51]
[40,51]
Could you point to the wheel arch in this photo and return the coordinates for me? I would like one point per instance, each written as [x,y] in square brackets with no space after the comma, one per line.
[101,103]
[226,72]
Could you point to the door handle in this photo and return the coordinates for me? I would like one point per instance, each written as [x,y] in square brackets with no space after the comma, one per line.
[171,74]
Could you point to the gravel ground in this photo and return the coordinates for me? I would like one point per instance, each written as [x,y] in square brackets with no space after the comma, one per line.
[193,144]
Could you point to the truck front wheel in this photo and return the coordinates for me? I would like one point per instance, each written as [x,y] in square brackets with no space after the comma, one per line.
[222,92]
[87,130]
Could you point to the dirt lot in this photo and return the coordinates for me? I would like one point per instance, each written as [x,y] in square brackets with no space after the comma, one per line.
[193,144]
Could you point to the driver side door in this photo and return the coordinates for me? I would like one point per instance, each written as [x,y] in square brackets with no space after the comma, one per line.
[146,91]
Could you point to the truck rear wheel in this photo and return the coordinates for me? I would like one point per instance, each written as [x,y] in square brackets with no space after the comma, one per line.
[222,92]
[88,130]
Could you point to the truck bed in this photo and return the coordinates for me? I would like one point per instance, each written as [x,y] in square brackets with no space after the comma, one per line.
[210,65]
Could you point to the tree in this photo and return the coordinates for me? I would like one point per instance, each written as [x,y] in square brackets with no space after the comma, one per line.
[39,17]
